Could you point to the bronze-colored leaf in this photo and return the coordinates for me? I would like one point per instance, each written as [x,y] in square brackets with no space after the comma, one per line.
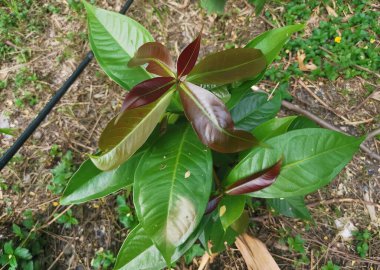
[213,203]
[212,121]
[256,181]
[147,92]
[188,57]
[158,57]
[228,66]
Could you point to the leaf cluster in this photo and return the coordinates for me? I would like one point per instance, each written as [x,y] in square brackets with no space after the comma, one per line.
[195,144]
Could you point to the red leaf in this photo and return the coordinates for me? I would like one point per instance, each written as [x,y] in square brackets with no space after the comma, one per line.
[158,57]
[256,181]
[147,92]
[212,121]
[188,57]
[213,203]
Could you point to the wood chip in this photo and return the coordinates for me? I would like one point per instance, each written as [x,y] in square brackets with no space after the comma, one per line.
[255,253]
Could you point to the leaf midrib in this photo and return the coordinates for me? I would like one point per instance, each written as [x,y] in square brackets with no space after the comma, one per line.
[289,165]
[175,175]
[137,126]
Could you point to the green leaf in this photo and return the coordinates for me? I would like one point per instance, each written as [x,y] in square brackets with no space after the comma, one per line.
[17,231]
[259,5]
[294,207]
[230,209]
[195,251]
[90,183]
[139,252]
[273,128]
[302,122]
[228,66]
[311,159]
[214,6]
[23,253]
[238,92]
[127,132]
[8,248]
[172,187]
[114,39]
[254,109]
[7,131]
[279,126]
[272,41]
[217,236]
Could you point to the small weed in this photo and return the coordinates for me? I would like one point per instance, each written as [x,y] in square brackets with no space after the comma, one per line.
[195,251]
[55,151]
[362,239]
[336,46]
[15,256]
[67,219]
[125,213]
[330,266]
[103,260]
[26,245]
[297,245]
[61,173]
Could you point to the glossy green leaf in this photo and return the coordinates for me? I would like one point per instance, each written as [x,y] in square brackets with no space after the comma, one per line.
[228,66]
[212,121]
[172,187]
[114,39]
[271,42]
[302,122]
[273,128]
[127,132]
[214,6]
[311,159]
[139,253]
[217,238]
[279,126]
[254,109]
[294,207]
[239,91]
[89,183]
[230,209]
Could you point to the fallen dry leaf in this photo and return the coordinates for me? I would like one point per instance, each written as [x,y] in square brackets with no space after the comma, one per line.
[376,95]
[371,209]
[302,66]
[255,253]
[331,11]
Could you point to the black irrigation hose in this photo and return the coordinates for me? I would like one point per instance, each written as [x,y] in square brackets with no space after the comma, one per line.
[50,105]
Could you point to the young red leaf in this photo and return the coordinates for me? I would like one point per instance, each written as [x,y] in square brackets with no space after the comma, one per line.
[228,66]
[212,121]
[256,181]
[147,92]
[188,57]
[158,57]
[213,203]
